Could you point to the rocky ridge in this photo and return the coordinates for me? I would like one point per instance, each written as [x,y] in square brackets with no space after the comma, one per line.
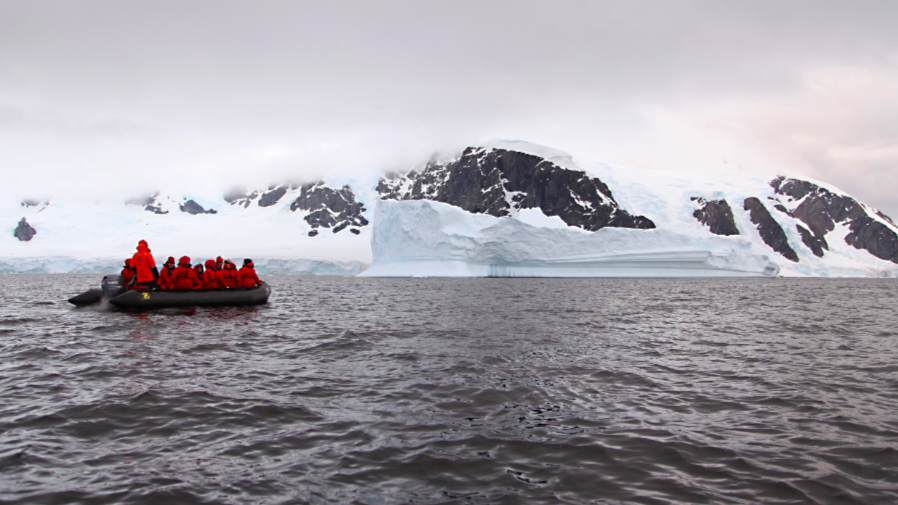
[325,207]
[331,208]
[822,210]
[499,182]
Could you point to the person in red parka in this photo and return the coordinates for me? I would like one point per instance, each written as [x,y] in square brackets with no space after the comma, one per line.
[219,264]
[248,277]
[144,267]
[229,276]
[184,277]
[128,274]
[211,278]
[165,279]
[198,268]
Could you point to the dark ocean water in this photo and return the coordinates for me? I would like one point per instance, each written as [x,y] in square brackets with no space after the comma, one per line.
[473,391]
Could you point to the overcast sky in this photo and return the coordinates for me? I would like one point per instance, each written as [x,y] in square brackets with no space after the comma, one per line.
[119,96]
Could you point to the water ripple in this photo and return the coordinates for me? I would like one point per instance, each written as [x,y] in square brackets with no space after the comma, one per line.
[386,391]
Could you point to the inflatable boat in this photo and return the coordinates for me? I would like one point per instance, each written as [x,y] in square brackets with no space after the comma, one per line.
[114,291]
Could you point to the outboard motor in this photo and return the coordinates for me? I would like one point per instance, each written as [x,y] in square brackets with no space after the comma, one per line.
[112,286]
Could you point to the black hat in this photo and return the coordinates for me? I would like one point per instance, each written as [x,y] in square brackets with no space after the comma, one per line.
[247,260]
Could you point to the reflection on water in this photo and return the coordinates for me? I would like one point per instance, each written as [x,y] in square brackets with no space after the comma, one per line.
[388,391]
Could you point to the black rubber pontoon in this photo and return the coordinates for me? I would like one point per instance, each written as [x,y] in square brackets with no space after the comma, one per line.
[192,298]
[89,297]
[110,287]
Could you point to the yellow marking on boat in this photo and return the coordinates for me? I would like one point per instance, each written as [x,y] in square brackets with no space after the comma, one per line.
[146,296]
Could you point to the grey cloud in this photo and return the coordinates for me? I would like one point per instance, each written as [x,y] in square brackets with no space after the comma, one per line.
[194,86]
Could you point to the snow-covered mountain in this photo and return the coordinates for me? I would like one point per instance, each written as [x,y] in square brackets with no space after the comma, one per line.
[308,228]
[539,207]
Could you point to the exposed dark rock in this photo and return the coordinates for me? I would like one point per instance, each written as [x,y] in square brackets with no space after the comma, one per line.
[149,203]
[716,215]
[30,202]
[355,231]
[155,209]
[24,231]
[780,207]
[313,233]
[873,236]
[191,207]
[498,181]
[814,243]
[322,218]
[771,232]
[273,196]
[821,209]
[328,207]
[240,196]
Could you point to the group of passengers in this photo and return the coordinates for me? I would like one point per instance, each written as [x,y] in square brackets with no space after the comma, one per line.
[140,272]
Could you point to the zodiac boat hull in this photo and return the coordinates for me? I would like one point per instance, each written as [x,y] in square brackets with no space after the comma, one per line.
[192,298]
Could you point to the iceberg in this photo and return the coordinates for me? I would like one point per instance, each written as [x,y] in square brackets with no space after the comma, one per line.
[422,238]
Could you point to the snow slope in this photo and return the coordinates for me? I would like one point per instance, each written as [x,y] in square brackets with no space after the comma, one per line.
[667,201]
[421,238]
[74,235]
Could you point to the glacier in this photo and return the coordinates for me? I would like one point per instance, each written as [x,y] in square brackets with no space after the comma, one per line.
[422,238]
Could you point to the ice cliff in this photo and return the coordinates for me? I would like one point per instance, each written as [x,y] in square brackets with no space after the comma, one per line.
[421,238]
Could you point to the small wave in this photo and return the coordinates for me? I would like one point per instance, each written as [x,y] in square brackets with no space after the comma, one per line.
[18,321]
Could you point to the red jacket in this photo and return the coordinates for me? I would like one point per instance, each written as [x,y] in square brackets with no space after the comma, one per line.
[165,278]
[229,276]
[143,263]
[200,273]
[210,278]
[128,272]
[248,277]
[185,278]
